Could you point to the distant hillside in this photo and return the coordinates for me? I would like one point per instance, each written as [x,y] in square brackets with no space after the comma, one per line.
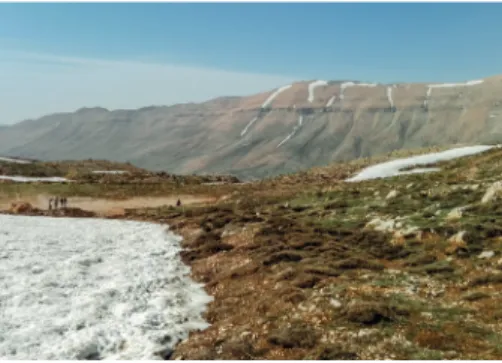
[291,128]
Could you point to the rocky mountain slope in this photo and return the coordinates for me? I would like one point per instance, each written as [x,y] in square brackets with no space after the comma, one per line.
[288,129]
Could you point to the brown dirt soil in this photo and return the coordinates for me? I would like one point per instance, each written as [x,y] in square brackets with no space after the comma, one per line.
[109,207]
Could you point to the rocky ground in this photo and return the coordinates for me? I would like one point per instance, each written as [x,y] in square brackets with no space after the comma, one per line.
[310,267]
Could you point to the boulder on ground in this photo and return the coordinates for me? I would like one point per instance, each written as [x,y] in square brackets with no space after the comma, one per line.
[20,207]
[492,192]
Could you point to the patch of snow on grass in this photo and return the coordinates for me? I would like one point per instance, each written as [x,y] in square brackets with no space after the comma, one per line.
[27,179]
[243,132]
[16,161]
[295,129]
[393,167]
[269,100]
[110,172]
[89,288]
[313,86]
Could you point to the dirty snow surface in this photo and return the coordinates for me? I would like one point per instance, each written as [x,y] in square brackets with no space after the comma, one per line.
[393,167]
[27,179]
[93,289]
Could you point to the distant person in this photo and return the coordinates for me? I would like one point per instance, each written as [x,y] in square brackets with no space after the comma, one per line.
[178,203]
[56,203]
[50,203]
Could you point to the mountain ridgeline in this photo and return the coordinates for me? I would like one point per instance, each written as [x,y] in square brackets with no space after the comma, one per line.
[285,130]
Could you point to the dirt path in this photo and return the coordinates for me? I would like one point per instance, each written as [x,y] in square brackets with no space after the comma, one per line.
[104,206]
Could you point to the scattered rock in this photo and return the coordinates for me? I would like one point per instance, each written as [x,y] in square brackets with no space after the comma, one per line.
[458,238]
[392,194]
[335,303]
[382,225]
[486,254]
[455,213]
[492,192]
[230,230]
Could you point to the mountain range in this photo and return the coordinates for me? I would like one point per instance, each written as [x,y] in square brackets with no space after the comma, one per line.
[291,128]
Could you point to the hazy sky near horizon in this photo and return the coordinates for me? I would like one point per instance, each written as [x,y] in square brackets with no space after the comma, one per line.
[59,57]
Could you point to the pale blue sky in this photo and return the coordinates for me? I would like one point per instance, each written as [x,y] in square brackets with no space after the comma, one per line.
[60,57]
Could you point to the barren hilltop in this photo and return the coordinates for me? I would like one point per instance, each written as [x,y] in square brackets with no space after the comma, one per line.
[291,128]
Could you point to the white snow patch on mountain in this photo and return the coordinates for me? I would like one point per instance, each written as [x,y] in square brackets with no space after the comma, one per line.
[450,85]
[330,102]
[243,132]
[270,98]
[312,87]
[352,84]
[389,96]
[88,288]
[393,167]
[295,129]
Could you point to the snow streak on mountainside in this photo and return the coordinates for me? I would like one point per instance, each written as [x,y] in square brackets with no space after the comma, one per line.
[449,85]
[312,87]
[271,98]
[352,84]
[295,129]
[266,104]
[330,102]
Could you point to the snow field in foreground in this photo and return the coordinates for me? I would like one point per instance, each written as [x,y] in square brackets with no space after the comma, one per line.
[393,167]
[88,288]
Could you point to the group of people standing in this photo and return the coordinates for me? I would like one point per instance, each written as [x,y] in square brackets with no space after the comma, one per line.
[56,202]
